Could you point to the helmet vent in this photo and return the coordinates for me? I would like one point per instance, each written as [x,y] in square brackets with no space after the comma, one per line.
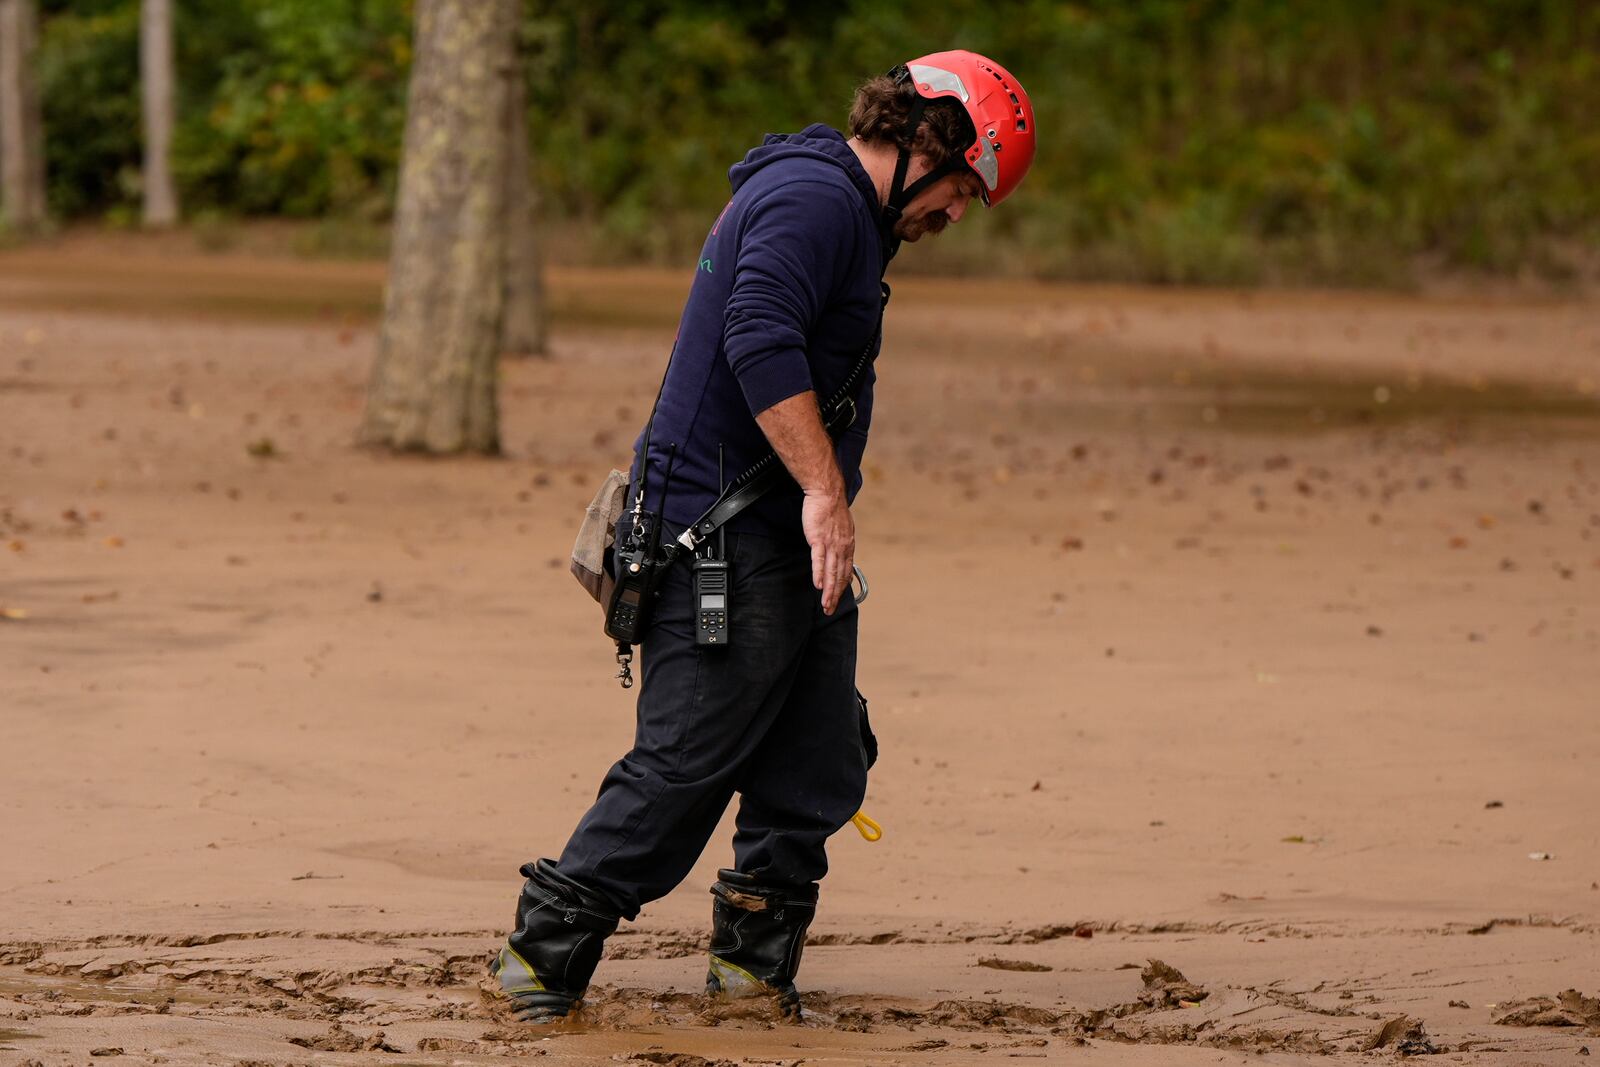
[959,73]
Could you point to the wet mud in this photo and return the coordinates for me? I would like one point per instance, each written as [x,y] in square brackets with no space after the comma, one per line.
[1250,634]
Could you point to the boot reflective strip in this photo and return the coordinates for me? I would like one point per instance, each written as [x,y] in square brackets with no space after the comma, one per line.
[868,828]
[506,979]
[725,970]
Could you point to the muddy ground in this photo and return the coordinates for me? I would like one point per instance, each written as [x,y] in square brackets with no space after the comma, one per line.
[1254,633]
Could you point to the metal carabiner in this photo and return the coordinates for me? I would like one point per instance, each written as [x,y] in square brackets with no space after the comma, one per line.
[861,576]
[625,665]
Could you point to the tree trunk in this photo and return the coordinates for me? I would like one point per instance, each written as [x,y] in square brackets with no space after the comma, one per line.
[21,125]
[433,387]
[155,77]
[523,331]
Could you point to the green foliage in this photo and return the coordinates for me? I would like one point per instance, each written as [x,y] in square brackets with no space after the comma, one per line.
[305,117]
[88,79]
[1184,140]
[285,107]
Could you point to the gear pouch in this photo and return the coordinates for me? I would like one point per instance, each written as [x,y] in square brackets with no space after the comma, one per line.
[869,742]
[597,536]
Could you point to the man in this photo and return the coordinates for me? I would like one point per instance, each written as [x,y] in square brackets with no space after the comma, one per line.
[787,300]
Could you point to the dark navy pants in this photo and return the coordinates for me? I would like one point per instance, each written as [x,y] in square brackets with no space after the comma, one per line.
[773,718]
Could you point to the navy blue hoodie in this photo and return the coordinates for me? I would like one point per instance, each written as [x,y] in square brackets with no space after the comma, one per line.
[785,298]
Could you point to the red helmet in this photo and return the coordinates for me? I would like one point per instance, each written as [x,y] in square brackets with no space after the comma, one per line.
[1001,115]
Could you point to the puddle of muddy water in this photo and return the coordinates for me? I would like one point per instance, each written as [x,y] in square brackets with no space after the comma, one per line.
[8,1034]
[1261,399]
[114,991]
[1153,389]
[1094,385]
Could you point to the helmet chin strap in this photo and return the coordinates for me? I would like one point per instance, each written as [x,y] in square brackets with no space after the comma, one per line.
[900,194]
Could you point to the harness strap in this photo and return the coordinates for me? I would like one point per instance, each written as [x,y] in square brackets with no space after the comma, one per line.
[767,476]
[838,415]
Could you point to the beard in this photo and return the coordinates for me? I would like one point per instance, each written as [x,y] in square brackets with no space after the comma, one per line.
[912,229]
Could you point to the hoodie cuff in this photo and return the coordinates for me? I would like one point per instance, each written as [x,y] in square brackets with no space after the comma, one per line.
[773,377]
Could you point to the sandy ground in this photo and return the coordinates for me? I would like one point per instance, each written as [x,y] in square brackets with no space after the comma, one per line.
[1253,633]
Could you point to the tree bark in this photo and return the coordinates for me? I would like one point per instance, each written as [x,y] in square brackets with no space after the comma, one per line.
[156,77]
[523,331]
[21,124]
[433,387]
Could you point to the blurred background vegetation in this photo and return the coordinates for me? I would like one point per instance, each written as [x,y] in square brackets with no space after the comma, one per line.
[1194,141]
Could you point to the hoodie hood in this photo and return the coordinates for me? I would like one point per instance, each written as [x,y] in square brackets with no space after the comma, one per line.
[817,141]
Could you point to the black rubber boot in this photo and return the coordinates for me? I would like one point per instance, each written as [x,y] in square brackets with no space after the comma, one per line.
[546,963]
[757,934]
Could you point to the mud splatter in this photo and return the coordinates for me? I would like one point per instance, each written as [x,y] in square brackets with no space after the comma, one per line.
[1407,1036]
[1567,1008]
[999,964]
[679,1059]
[338,1039]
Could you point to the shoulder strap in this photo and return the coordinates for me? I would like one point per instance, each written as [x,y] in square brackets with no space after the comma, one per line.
[838,415]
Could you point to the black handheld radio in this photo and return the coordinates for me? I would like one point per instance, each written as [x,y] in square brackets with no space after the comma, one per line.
[638,563]
[636,566]
[713,588]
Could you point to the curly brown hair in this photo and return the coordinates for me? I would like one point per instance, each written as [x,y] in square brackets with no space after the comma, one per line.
[882,106]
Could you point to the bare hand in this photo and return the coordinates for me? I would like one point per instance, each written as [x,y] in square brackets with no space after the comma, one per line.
[794,426]
[830,530]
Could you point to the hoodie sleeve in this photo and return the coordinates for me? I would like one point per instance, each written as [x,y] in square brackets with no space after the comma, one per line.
[796,239]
